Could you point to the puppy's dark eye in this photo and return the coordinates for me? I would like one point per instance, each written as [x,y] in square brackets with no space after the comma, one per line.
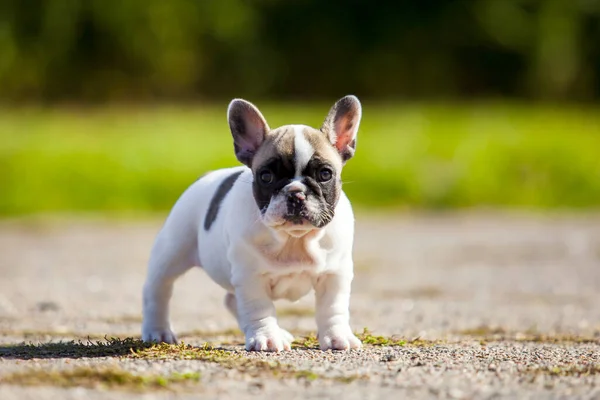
[266,176]
[325,174]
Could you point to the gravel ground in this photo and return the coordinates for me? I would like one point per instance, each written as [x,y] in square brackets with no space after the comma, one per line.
[503,306]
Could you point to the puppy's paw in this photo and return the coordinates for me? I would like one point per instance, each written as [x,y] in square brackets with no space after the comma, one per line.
[288,336]
[269,339]
[339,337]
[159,335]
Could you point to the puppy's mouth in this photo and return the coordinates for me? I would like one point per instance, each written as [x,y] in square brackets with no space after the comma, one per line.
[298,219]
[296,211]
[305,220]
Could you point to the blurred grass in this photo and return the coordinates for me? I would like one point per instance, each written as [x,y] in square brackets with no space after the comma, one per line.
[412,156]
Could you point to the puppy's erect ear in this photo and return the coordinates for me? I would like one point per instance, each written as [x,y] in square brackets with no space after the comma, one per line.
[341,125]
[248,128]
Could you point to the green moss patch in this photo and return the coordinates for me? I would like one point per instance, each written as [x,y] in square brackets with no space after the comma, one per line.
[135,348]
[368,338]
[233,360]
[310,341]
[93,378]
[184,351]
[227,359]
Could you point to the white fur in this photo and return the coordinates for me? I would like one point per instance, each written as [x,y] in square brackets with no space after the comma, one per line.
[303,150]
[295,184]
[255,263]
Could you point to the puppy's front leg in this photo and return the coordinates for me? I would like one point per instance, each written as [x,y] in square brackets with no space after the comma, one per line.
[256,317]
[333,315]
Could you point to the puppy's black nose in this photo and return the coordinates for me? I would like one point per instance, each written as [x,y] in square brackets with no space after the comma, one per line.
[296,200]
[296,196]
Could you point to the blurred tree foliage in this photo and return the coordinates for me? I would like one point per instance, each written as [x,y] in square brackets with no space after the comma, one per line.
[98,50]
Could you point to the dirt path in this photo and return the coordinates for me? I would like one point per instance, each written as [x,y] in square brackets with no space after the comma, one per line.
[463,306]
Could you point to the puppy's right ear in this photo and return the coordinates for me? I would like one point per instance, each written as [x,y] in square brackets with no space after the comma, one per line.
[248,128]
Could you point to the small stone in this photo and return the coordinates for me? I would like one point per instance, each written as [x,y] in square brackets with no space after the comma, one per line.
[256,387]
[389,357]
[492,367]
[44,306]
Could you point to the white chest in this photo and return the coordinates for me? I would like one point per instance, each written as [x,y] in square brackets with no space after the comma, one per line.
[290,254]
[290,286]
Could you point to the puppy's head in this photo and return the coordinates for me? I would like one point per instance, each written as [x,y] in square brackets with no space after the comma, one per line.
[296,168]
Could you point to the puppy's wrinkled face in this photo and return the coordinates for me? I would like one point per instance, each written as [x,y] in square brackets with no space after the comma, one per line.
[296,168]
[297,178]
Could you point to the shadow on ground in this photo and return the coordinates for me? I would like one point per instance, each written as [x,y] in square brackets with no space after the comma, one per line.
[74,349]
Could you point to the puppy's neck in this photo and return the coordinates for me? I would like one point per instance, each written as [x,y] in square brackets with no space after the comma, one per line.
[285,249]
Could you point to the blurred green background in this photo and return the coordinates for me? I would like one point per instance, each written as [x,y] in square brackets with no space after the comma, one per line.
[117,106]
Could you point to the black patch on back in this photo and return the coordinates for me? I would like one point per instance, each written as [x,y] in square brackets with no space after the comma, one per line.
[217,199]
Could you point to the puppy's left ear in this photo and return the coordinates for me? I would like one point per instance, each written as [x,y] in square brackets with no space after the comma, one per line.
[248,128]
[341,125]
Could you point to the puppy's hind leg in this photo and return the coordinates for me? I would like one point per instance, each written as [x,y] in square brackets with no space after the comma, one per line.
[170,258]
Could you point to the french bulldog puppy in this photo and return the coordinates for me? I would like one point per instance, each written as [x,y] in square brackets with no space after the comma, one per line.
[275,228]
